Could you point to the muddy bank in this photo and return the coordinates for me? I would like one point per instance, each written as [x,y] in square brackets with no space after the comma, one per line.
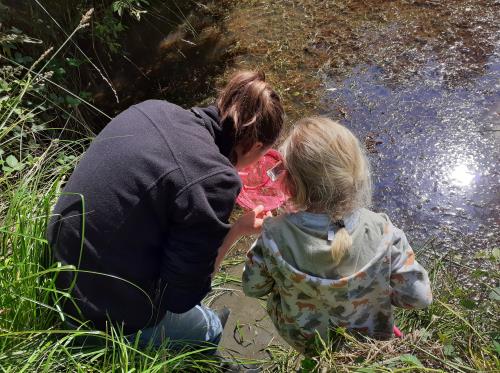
[249,331]
[174,52]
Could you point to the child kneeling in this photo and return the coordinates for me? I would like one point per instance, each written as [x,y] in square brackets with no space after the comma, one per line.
[332,263]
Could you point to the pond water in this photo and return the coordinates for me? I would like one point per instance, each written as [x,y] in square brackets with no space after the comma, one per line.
[418,82]
[434,149]
[427,105]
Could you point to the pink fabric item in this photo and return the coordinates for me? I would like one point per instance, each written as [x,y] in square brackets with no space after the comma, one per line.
[397,332]
[258,188]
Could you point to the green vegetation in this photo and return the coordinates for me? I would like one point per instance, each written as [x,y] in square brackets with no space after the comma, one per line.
[42,135]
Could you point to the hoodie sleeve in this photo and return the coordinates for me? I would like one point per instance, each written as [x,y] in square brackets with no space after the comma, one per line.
[257,280]
[409,280]
[201,214]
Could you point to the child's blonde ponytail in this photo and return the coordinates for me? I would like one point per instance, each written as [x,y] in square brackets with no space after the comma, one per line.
[342,242]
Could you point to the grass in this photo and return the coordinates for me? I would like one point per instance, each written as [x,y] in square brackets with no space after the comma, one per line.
[451,335]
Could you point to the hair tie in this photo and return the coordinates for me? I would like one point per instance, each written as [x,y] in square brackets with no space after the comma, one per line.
[340,224]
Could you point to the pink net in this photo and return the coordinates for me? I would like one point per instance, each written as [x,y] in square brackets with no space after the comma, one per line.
[397,332]
[258,188]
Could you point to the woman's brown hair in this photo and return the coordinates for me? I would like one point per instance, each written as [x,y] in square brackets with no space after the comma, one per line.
[251,108]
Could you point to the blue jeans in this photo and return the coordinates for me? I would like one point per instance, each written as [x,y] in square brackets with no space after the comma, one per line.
[198,327]
[194,328]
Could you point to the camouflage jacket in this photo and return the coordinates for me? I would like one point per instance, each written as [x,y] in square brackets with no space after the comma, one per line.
[292,262]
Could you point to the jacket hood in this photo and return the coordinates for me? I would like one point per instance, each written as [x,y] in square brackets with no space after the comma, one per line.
[314,255]
[223,136]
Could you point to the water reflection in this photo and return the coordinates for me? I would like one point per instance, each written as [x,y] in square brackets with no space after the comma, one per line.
[433,150]
[461,176]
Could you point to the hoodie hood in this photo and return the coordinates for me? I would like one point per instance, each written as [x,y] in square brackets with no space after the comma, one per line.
[223,136]
[300,246]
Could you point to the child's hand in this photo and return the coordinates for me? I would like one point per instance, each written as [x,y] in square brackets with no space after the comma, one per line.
[251,222]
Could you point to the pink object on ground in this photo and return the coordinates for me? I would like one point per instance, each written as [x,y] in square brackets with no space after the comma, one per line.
[258,188]
[397,332]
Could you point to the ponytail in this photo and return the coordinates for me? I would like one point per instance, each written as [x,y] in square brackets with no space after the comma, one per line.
[342,242]
[251,109]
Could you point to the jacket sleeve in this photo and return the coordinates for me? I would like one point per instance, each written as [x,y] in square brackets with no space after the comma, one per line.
[409,280]
[199,224]
[256,280]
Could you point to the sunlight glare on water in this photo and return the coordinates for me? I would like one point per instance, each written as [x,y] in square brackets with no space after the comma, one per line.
[461,176]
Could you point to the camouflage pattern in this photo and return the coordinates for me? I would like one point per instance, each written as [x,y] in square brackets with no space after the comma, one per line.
[301,303]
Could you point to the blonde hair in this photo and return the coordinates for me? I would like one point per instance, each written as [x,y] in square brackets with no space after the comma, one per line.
[327,171]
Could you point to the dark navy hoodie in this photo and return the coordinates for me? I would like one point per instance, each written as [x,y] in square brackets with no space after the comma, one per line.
[143,215]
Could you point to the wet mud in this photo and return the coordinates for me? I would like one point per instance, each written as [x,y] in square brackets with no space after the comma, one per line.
[249,332]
